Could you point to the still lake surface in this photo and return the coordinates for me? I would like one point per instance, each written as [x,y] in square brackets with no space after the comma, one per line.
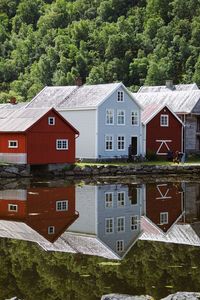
[64,239]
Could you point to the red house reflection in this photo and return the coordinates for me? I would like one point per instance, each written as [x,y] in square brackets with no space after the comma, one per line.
[49,211]
[164,204]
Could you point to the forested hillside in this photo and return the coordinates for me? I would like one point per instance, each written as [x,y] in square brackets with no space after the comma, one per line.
[52,42]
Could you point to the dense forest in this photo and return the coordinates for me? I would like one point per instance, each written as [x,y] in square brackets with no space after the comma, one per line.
[52,42]
[156,269]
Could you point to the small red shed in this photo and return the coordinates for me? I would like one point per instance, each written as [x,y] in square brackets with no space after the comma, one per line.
[162,130]
[49,211]
[37,136]
[164,204]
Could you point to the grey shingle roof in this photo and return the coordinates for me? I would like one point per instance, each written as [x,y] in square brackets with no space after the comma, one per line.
[164,88]
[73,97]
[21,120]
[51,96]
[178,101]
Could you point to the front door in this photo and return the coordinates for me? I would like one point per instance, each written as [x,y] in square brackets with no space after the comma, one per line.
[134,145]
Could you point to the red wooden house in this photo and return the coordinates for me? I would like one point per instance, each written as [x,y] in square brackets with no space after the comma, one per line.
[162,130]
[164,204]
[49,211]
[36,136]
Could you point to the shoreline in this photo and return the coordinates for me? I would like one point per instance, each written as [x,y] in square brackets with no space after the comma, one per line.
[76,171]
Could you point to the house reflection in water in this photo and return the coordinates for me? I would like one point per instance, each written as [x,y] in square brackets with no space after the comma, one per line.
[48,211]
[164,204]
[111,213]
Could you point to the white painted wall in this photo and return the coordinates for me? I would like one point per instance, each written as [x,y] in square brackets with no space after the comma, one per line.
[85,122]
[86,205]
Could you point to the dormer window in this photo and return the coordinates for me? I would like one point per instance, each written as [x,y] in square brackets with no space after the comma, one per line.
[51,120]
[120,96]
[164,120]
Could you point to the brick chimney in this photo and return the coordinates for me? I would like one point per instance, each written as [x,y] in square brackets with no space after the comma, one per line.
[78,81]
[13,100]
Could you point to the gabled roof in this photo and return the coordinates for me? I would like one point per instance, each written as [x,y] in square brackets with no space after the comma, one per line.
[179,101]
[165,88]
[151,110]
[74,97]
[22,119]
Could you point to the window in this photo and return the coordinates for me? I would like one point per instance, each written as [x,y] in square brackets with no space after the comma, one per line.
[121,142]
[108,200]
[120,117]
[120,246]
[120,96]
[134,222]
[120,199]
[51,120]
[109,223]
[163,218]
[13,207]
[109,117]
[164,120]
[134,118]
[108,142]
[120,224]
[12,144]
[51,230]
[62,205]
[61,144]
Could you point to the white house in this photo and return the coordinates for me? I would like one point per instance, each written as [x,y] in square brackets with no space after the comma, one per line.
[107,116]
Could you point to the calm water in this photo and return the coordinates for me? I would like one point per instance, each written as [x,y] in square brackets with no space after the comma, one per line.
[81,240]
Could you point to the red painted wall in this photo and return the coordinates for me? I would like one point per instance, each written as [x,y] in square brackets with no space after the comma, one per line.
[155,132]
[5,137]
[164,198]
[41,141]
[19,215]
[41,210]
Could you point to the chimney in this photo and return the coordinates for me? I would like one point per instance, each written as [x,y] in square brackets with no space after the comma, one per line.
[169,84]
[78,81]
[13,100]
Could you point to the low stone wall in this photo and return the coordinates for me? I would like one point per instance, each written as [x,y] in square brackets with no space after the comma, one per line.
[14,171]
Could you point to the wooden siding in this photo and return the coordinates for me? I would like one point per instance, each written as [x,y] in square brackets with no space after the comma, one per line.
[155,134]
[41,141]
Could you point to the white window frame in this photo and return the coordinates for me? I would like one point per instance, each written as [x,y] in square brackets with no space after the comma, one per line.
[135,118]
[62,144]
[120,224]
[109,117]
[10,142]
[11,206]
[121,116]
[62,205]
[164,120]
[109,136]
[120,245]
[108,199]
[121,143]
[51,121]
[51,230]
[121,199]
[109,225]
[134,222]
[164,218]
[120,96]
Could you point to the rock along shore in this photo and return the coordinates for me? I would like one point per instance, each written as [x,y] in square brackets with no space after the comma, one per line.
[20,171]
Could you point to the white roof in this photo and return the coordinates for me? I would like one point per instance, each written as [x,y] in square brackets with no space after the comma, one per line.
[21,120]
[178,101]
[165,88]
[74,97]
